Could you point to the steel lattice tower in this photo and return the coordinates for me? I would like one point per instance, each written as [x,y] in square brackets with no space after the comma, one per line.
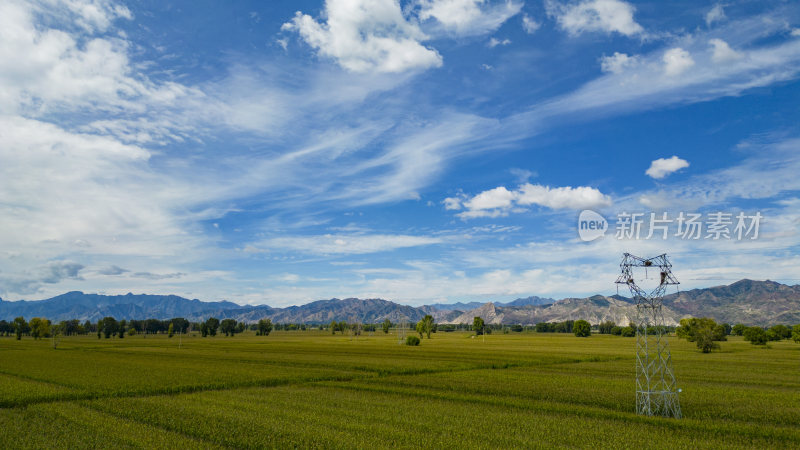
[656,393]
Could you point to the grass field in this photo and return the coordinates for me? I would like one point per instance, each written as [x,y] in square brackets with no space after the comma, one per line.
[311,389]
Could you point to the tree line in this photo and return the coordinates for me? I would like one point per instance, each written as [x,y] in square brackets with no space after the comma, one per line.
[705,332]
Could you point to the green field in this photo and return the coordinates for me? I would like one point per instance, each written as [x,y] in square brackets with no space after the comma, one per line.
[311,389]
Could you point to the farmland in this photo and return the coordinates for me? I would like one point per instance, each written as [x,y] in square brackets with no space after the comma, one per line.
[311,389]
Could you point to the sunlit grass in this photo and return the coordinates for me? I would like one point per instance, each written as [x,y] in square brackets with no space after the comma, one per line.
[311,389]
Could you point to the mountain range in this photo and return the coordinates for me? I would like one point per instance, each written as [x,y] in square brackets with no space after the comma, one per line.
[745,301]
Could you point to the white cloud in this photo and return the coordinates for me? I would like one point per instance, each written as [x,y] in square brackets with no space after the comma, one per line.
[529,24]
[645,85]
[453,203]
[715,14]
[617,62]
[343,244]
[595,16]
[468,17]
[499,197]
[662,167]
[366,36]
[581,197]
[494,42]
[676,61]
[55,70]
[501,201]
[795,32]
[722,52]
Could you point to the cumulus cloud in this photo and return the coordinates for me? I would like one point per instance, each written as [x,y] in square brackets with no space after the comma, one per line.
[567,197]
[795,32]
[54,69]
[380,36]
[609,16]
[500,201]
[468,17]
[676,61]
[715,14]
[617,62]
[662,167]
[366,36]
[722,52]
[529,24]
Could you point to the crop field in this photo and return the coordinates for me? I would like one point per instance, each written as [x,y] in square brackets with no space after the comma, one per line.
[310,389]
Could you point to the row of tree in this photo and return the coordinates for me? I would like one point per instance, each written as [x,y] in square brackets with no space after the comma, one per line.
[705,332]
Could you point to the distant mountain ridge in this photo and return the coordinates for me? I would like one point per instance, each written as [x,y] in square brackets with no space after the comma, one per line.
[745,301]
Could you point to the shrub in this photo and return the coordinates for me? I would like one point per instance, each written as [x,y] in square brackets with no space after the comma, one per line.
[704,332]
[581,328]
[781,331]
[738,329]
[628,332]
[412,340]
[756,335]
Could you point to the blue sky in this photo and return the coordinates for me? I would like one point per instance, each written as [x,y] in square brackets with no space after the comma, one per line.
[420,151]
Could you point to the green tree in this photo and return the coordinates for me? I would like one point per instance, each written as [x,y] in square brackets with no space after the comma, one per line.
[343,327]
[756,335]
[796,333]
[228,326]
[56,331]
[705,339]
[702,331]
[334,326]
[387,324]
[606,327]
[39,327]
[478,326]
[420,329]
[212,324]
[170,330]
[110,326]
[264,327]
[20,327]
[582,328]
[781,331]
[738,329]
[204,329]
[427,325]
[122,327]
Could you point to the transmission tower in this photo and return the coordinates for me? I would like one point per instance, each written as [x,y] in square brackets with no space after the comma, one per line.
[656,393]
[402,324]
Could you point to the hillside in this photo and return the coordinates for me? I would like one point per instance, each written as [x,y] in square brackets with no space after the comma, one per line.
[746,301]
